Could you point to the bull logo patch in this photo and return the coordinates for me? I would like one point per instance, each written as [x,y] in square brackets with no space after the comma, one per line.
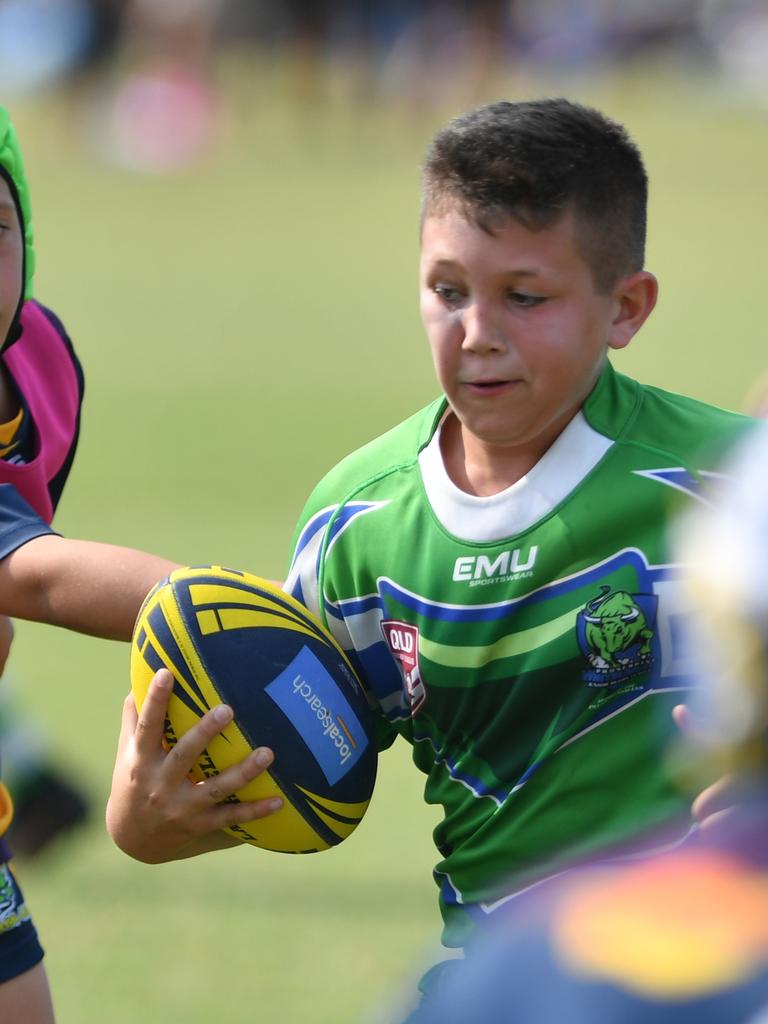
[616,633]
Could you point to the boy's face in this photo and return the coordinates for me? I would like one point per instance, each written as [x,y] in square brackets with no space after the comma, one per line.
[11,259]
[518,333]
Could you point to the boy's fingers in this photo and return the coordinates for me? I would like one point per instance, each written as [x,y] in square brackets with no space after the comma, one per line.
[127,724]
[690,724]
[130,714]
[224,813]
[683,719]
[720,796]
[150,723]
[227,815]
[223,785]
[183,755]
[147,729]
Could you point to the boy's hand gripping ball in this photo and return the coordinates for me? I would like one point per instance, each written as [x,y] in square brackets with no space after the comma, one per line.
[229,637]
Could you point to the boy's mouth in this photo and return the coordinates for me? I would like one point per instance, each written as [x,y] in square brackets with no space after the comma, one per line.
[489,387]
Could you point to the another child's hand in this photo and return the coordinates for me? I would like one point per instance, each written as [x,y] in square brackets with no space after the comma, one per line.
[721,797]
[155,813]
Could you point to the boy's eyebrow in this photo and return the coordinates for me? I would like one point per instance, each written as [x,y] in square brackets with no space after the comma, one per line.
[7,207]
[517,271]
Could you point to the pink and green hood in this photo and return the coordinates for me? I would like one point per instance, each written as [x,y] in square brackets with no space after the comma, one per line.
[12,169]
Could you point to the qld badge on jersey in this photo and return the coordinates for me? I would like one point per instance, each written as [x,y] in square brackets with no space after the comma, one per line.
[403,642]
[617,634]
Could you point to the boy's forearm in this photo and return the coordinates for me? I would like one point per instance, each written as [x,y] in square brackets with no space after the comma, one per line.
[131,838]
[81,585]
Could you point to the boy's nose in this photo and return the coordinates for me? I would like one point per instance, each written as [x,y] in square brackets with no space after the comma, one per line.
[482,332]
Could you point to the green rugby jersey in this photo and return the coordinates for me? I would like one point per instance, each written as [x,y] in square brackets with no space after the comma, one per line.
[527,644]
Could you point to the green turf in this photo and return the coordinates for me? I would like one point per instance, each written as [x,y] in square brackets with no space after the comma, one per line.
[242,326]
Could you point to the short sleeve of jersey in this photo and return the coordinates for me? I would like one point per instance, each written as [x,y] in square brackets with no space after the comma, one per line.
[19,522]
[304,584]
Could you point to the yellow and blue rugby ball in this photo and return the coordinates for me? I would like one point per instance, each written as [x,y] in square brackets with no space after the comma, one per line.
[230,637]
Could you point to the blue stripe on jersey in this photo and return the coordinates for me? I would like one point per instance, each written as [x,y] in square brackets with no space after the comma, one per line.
[314,526]
[682,480]
[475,785]
[501,610]
[297,591]
[619,704]
[356,606]
[341,520]
[448,892]
[679,637]
[351,511]
[305,571]
[379,667]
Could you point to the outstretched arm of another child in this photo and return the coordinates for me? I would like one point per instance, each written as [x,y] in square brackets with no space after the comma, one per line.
[80,585]
[155,813]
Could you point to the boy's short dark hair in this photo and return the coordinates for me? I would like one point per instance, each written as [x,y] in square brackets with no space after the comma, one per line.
[536,160]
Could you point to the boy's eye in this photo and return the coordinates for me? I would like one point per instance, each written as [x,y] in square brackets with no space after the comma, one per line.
[447,293]
[524,299]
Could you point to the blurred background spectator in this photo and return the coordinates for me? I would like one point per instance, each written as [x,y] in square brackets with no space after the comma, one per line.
[155,108]
[48,800]
[152,66]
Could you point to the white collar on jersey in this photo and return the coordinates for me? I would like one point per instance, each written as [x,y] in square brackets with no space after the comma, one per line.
[562,468]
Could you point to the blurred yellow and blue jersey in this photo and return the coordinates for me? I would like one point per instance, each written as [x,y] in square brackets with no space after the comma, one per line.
[676,939]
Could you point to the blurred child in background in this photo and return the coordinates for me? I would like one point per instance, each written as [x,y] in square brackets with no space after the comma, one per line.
[49,802]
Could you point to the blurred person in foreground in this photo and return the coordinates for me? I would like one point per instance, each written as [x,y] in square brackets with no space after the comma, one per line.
[681,937]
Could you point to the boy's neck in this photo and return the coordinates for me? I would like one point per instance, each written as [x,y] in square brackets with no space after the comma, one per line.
[480,469]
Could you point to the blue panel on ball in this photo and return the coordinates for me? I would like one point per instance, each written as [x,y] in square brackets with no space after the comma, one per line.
[310,698]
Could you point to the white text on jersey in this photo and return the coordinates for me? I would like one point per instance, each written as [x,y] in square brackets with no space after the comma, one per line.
[478,569]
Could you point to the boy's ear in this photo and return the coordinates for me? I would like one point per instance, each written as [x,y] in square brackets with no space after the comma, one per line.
[634,296]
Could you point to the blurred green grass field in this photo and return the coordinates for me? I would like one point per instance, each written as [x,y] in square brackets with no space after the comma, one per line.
[242,326]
